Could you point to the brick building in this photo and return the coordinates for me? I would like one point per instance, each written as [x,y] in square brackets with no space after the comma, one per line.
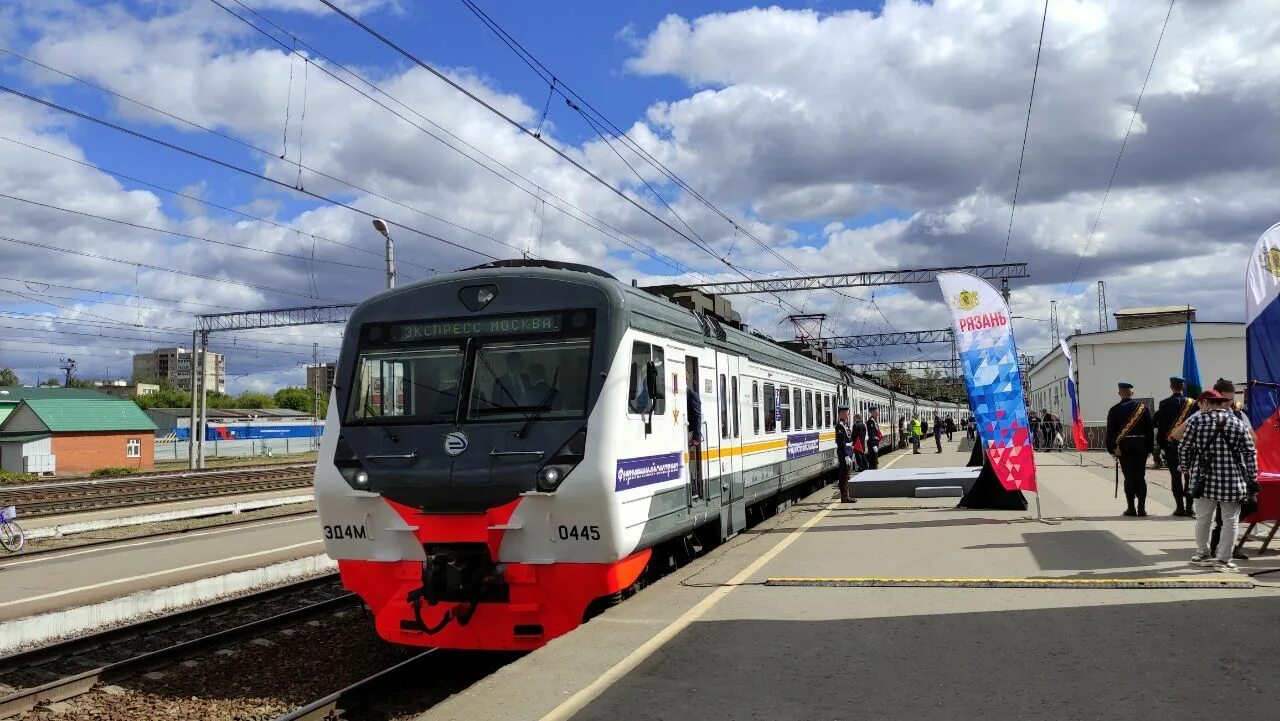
[173,365]
[76,435]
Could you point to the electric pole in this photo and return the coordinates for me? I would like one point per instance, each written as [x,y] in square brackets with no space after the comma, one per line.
[315,391]
[1103,324]
[68,365]
[1053,323]
[380,225]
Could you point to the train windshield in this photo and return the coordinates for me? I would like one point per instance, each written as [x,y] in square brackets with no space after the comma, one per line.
[513,379]
[407,385]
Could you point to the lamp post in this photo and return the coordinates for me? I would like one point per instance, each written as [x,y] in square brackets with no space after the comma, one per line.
[380,225]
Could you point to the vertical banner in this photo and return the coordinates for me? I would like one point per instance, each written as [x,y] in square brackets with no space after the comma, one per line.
[1262,347]
[1191,367]
[1077,418]
[984,338]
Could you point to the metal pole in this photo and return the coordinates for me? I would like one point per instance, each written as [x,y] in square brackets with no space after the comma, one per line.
[191,427]
[391,263]
[204,395]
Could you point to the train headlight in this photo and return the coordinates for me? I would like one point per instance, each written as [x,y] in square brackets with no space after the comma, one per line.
[360,478]
[563,462]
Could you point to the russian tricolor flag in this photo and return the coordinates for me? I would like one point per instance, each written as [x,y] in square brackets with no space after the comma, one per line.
[1262,348]
[1077,418]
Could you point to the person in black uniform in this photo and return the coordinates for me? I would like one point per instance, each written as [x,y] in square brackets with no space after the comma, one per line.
[873,438]
[1130,438]
[1173,412]
[844,451]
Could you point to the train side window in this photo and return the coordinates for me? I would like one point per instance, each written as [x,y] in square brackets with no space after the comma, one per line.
[724,409]
[770,409]
[826,410]
[797,409]
[733,382]
[755,407]
[784,408]
[641,355]
[808,410]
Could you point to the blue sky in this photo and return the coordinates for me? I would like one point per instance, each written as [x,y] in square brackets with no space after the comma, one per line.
[848,135]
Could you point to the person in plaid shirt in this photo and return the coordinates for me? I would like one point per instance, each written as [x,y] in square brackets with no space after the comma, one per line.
[1218,455]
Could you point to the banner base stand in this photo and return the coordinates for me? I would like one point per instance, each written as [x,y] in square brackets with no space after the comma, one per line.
[987,493]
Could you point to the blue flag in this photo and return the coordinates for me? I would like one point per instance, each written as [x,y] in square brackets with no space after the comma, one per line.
[1191,369]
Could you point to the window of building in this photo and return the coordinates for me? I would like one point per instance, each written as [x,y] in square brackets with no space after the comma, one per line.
[770,408]
[755,407]
[133,448]
[784,408]
[734,384]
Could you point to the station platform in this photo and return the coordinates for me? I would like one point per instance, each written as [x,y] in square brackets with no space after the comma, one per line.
[715,641]
[76,578]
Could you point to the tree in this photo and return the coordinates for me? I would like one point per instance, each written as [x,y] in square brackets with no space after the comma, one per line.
[79,383]
[253,399]
[52,383]
[9,378]
[164,398]
[299,399]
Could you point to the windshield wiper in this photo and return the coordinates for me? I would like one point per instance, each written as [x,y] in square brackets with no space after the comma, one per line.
[536,415]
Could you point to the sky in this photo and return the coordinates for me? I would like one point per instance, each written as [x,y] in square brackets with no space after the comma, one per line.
[164,158]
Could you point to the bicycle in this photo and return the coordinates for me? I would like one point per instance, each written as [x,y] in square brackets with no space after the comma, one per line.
[11,534]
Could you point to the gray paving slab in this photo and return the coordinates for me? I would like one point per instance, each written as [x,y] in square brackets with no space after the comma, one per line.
[759,652]
[80,576]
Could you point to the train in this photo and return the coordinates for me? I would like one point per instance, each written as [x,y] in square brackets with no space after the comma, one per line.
[506,446]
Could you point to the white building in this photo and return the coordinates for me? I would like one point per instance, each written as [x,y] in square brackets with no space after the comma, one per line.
[174,365]
[1145,357]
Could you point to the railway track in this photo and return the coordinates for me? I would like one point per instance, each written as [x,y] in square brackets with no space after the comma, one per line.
[46,499]
[71,668]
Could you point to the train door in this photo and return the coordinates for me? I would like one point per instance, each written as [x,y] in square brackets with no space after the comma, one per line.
[728,429]
[697,428]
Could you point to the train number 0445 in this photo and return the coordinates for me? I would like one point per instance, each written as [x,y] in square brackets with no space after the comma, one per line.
[339,531]
[579,533]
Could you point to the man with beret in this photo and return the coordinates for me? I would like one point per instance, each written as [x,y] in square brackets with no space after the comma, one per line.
[1130,438]
[1173,412]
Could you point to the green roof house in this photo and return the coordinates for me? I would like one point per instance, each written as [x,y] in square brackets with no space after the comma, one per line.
[75,433]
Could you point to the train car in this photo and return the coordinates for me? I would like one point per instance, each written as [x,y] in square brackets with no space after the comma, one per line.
[506,446]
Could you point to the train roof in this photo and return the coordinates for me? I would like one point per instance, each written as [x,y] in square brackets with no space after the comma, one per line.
[654,314]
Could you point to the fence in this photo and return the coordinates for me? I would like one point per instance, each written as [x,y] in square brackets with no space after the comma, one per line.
[167,452]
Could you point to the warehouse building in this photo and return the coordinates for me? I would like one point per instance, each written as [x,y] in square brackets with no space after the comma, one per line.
[65,435]
[1146,351]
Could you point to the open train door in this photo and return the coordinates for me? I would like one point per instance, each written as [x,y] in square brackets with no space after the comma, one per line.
[727,428]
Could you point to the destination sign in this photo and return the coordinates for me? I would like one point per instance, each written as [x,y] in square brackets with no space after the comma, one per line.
[471,327]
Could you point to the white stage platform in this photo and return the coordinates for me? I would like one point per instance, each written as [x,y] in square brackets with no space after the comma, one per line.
[905,482]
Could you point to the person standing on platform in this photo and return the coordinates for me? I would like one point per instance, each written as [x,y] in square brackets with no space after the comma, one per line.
[902,432]
[1220,459]
[844,451]
[937,430]
[873,438]
[1130,437]
[917,433]
[951,428]
[1173,412]
[858,437]
[1033,424]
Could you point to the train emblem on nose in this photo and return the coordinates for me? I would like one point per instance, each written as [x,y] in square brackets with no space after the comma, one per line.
[455,443]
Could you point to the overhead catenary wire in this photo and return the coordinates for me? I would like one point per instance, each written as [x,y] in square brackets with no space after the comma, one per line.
[1026,130]
[1111,181]
[211,204]
[249,146]
[601,226]
[239,169]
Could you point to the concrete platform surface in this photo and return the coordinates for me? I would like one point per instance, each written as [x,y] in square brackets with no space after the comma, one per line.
[76,577]
[177,508]
[712,642]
